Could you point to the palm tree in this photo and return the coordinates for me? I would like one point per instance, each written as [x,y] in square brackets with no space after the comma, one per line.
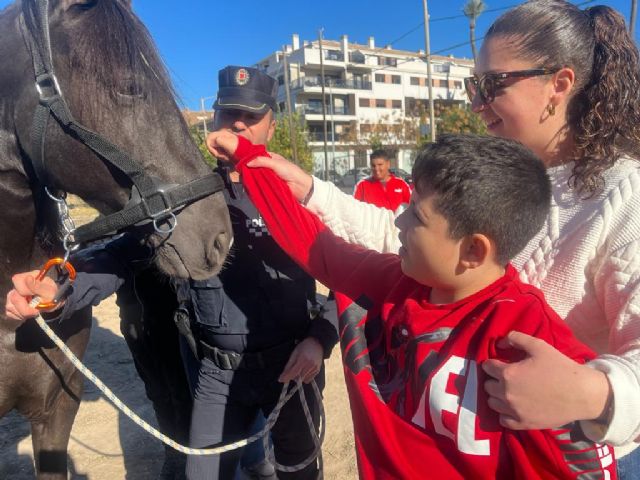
[472,10]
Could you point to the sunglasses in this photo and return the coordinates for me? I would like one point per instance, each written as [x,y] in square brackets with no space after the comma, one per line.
[488,84]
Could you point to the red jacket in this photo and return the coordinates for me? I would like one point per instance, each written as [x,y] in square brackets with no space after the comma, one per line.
[390,194]
[412,368]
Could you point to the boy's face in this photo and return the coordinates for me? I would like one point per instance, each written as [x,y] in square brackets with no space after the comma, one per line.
[429,255]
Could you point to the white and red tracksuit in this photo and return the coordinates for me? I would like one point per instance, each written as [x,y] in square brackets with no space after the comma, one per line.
[413,368]
[390,194]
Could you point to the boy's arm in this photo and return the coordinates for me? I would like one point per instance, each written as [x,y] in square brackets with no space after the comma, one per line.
[350,269]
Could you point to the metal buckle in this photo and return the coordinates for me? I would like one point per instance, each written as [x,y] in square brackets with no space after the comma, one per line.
[44,83]
[165,214]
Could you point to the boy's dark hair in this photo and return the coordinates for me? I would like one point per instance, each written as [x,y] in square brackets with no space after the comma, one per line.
[379,153]
[487,185]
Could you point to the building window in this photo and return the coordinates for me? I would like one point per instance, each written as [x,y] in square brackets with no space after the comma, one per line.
[441,68]
[281,107]
[364,102]
[457,84]
[280,79]
[414,81]
[380,78]
[395,79]
[381,103]
[335,55]
[388,61]
[396,103]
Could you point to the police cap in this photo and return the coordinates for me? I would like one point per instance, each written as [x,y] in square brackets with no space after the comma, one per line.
[246,88]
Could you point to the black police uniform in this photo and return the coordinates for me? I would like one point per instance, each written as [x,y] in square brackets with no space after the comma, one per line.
[248,321]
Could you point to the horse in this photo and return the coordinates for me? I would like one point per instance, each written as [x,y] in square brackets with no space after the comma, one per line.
[108,71]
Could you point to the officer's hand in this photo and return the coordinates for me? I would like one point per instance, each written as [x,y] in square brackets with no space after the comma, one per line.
[222,144]
[305,361]
[297,179]
[26,286]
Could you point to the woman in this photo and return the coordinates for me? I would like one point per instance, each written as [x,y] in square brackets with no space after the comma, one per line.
[566,83]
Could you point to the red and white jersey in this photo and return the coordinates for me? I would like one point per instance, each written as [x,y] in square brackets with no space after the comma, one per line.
[390,194]
[413,368]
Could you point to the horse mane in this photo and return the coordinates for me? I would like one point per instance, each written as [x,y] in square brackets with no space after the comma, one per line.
[109,51]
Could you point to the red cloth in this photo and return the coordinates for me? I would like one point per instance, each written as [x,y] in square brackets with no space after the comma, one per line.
[412,368]
[390,194]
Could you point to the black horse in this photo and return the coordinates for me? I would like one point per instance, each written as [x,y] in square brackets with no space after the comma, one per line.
[113,80]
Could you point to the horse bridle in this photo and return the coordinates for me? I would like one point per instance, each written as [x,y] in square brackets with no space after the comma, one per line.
[151,201]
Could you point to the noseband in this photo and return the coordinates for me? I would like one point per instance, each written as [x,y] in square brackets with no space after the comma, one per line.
[150,201]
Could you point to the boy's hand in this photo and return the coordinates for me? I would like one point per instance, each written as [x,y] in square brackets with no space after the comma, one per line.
[26,286]
[222,144]
[305,361]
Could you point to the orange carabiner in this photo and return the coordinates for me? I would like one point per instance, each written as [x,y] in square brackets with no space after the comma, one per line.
[47,266]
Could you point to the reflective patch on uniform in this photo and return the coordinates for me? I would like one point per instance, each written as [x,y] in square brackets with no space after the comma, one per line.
[257,227]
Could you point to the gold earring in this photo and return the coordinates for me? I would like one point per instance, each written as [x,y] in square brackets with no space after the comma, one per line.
[551,108]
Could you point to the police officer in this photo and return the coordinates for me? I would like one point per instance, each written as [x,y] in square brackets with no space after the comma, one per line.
[252,322]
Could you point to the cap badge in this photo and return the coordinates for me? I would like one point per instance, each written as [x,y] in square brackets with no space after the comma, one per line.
[242,76]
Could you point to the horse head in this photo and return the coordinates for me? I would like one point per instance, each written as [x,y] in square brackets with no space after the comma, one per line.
[114,83]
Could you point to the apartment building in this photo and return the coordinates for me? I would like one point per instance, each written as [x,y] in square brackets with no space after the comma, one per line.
[370,93]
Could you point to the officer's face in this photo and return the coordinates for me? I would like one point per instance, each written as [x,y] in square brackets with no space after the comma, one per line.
[258,128]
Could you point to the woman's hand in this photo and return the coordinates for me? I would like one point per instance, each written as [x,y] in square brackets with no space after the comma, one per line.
[298,180]
[25,286]
[545,390]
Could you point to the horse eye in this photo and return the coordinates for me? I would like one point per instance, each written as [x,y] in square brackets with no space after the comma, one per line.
[132,90]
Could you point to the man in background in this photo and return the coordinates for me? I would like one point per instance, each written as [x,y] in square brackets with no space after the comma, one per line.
[382,188]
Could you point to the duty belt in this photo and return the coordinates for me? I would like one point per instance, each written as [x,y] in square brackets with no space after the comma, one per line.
[229,360]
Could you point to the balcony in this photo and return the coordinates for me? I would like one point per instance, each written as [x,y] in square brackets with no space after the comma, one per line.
[317,109]
[318,136]
[310,82]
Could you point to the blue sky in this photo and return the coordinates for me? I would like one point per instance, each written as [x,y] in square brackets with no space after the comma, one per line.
[198,37]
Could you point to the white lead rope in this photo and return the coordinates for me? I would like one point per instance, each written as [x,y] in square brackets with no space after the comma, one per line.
[285,395]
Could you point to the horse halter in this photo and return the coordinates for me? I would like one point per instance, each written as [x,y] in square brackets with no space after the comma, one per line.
[150,201]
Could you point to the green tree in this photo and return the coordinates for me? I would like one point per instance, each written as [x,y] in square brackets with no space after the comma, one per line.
[198,137]
[472,10]
[281,141]
[461,120]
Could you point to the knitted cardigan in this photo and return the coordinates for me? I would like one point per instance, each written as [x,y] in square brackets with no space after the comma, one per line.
[586,260]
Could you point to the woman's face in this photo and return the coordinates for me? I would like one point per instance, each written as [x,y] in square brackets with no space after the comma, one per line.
[519,110]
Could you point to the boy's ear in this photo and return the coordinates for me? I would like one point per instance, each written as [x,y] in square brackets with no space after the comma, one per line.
[475,250]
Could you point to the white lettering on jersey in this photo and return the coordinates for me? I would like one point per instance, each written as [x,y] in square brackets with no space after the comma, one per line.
[606,459]
[441,401]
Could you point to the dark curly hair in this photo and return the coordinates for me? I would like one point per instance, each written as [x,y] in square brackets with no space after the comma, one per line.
[604,111]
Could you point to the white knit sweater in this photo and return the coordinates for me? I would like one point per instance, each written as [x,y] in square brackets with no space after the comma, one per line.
[586,260]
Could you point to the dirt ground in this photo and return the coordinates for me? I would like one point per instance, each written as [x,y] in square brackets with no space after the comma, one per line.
[106,445]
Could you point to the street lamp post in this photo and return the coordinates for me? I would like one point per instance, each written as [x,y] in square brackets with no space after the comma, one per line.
[204,113]
[432,122]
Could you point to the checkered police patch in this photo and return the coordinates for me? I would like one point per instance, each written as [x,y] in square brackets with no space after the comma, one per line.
[257,227]
[242,76]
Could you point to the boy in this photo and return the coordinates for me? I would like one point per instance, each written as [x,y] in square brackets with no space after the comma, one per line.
[423,321]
